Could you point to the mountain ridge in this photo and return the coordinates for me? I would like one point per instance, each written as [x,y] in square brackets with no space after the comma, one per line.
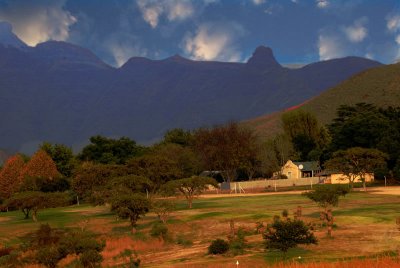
[69,94]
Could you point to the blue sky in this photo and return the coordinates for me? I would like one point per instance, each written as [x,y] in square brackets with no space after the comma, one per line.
[298,31]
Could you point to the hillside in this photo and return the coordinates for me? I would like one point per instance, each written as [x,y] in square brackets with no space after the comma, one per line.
[63,93]
[379,86]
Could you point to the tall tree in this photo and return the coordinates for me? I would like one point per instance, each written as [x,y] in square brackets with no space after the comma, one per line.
[178,136]
[225,148]
[357,126]
[356,162]
[62,156]
[90,176]
[10,179]
[157,167]
[40,165]
[110,151]
[305,133]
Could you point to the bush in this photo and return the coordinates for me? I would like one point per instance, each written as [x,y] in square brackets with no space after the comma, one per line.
[48,256]
[218,246]
[238,243]
[90,258]
[159,230]
[183,241]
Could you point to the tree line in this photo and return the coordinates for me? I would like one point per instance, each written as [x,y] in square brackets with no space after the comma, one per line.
[362,138]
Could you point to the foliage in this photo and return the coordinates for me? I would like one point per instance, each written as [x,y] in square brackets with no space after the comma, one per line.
[178,136]
[159,230]
[190,187]
[62,156]
[156,167]
[130,206]
[110,151]
[33,201]
[129,257]
[162,208]
[183,241]
[218,246]
[225,148]
[89,176]
[59,184]
[237,243]
[365,125]
[40,165]
[10,179]
[356,162]
[327,195]
[53,245]
[286,234]
[305,133]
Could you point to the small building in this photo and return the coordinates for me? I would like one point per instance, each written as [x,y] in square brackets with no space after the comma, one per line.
[297,170]
[332,177]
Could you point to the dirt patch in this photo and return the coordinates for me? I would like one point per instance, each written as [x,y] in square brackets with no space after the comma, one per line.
[4,219]
[391,190]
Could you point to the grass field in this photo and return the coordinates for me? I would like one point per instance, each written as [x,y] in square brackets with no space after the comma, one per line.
[365,229]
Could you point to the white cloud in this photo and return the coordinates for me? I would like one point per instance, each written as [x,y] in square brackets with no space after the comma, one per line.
[174,10]
[369,56]
[38,21]
[398,39]
[258,2]
[357,32]
[330,47]
[322,3]
[214,42]
[393,23]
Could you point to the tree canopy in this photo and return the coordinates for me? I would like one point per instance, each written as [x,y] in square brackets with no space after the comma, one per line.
[10,179]
[356,162]
[225,148]
[110,151]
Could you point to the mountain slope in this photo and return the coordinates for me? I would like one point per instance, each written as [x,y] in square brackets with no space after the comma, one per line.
[379,86]
[63,93]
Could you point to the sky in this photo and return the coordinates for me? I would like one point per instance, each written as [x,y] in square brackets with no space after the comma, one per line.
[298,31]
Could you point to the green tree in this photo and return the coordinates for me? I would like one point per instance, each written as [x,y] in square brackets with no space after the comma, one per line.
[158,168]
[62,156]
[33,201]
[110,151]
[286,234]
[356,162]
[178,136]
[190,187]
[327,197]
[90,176]
[130,206]
[162,208]
[357,126]
[225,148]
[305,133]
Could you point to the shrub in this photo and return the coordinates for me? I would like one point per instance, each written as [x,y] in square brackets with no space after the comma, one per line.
[159,230]
[218,246]
[48,256]
[238,243]
[183,241]
[90,258]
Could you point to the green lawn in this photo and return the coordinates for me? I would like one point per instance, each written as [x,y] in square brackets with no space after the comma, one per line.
[365,224]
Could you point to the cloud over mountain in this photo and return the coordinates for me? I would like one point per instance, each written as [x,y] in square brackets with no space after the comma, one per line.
[38,21]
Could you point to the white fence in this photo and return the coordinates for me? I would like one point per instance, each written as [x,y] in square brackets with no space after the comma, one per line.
[250,185]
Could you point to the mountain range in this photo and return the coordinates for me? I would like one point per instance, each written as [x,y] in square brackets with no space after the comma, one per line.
[63,93]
